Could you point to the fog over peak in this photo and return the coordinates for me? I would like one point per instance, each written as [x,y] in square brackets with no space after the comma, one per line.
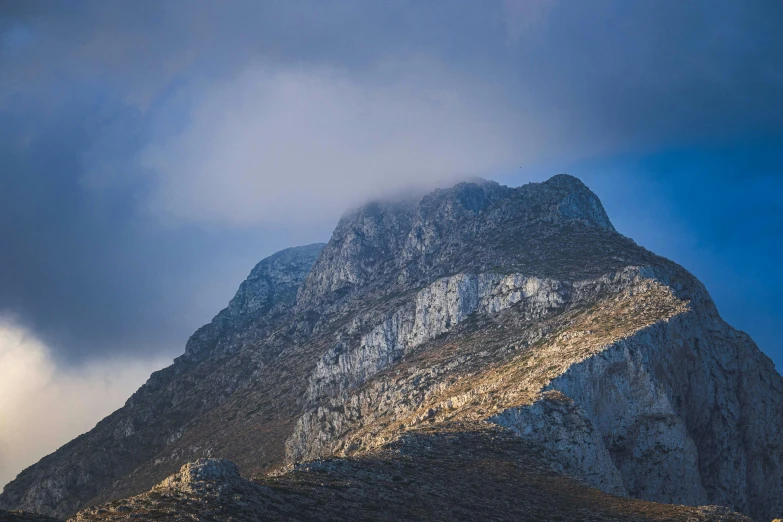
[300,144]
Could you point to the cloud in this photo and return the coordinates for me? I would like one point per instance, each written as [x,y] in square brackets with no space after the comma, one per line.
[297,144]
[43,405]
[522,16]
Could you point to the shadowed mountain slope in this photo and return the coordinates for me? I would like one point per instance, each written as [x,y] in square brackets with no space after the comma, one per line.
[459,472]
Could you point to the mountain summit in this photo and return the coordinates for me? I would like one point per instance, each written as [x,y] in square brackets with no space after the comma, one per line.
[484,348]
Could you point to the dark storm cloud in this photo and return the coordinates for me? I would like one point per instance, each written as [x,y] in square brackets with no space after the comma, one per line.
[115,213]
[663,71]
[648,65]
[83,268]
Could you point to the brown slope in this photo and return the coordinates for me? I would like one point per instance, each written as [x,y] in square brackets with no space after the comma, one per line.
[459,472]
[21,516]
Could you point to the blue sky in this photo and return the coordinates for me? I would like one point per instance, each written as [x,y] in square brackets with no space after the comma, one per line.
[152,152]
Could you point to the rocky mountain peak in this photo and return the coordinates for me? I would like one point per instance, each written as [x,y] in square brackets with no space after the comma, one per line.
[503,325]
[273,280]
[579,203]
[403,243]
[271,287]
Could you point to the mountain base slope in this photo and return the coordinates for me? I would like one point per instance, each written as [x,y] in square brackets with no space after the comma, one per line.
[23,516]
[452,472]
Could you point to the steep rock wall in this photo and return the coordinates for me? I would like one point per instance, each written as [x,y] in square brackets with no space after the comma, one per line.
[339,400]
[571,438]
[688,411]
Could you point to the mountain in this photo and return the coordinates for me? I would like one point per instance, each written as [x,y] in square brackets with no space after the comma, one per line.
[483,348]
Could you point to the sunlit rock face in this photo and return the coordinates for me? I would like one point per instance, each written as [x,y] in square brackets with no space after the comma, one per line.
[478,311]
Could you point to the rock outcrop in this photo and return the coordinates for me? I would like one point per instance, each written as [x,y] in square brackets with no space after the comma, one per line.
[513,311]
[207,489]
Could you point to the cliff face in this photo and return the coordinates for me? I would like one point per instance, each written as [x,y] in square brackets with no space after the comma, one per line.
[516,309]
